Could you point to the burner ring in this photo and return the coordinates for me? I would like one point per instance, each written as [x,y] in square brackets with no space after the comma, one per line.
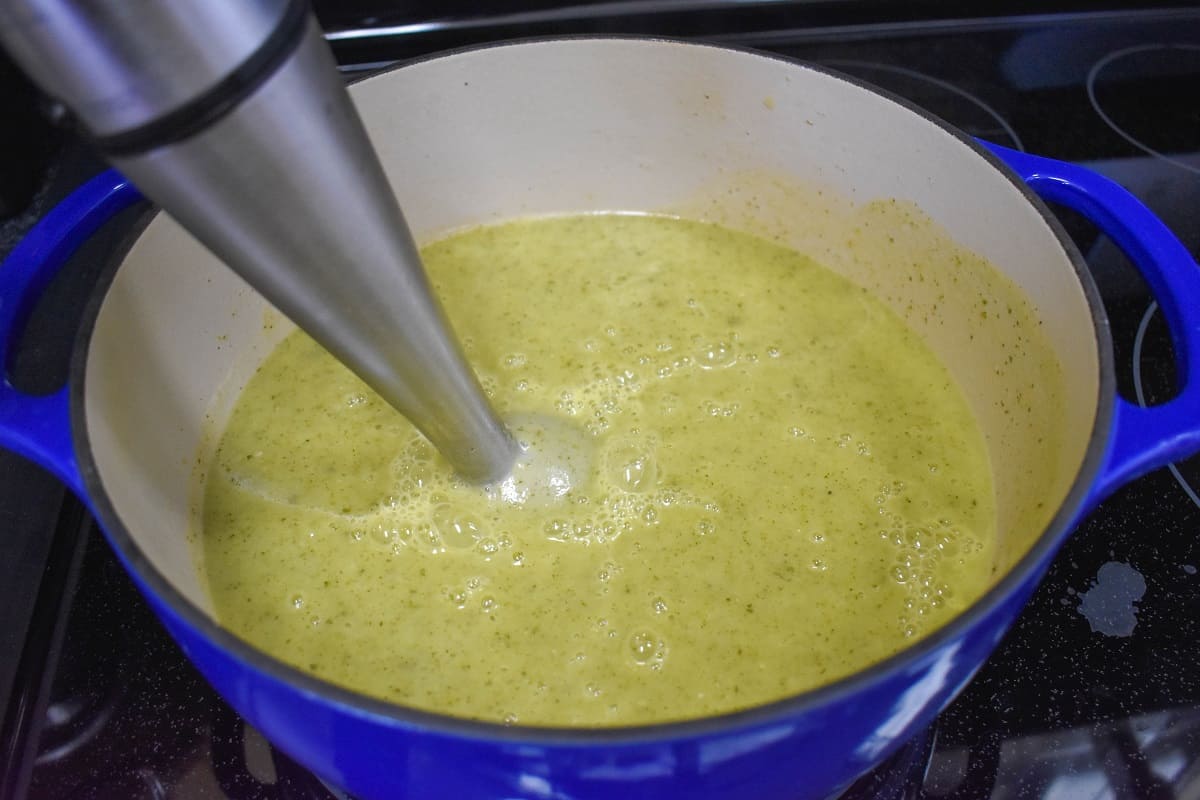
[1116,55]
[862,69]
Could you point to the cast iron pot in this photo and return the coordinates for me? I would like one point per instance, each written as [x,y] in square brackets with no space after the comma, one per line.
[599,124]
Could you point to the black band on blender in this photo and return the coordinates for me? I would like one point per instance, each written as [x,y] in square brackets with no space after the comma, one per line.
[202,111]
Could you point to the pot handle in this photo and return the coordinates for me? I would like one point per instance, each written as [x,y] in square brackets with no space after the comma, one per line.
[1142,439]
[38,427]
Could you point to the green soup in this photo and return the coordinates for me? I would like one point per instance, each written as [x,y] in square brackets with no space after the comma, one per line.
[785,486]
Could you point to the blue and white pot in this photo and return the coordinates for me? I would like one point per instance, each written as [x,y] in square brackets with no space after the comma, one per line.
[631,124]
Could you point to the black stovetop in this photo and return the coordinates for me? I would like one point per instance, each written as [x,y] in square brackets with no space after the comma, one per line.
[1094,694]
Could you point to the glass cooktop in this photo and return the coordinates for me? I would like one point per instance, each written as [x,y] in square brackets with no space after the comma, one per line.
[1094,694]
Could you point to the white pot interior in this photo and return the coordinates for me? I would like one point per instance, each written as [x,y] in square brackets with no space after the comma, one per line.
[590,125]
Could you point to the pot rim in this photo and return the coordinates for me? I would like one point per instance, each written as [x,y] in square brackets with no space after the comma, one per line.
[1035,560]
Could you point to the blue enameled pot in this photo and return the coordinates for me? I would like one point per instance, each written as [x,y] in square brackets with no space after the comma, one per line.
[599,124]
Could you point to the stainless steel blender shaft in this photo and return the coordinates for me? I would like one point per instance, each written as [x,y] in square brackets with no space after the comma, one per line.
[232,117]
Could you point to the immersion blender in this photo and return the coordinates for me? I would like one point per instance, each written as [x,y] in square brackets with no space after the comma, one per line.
[231,116]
